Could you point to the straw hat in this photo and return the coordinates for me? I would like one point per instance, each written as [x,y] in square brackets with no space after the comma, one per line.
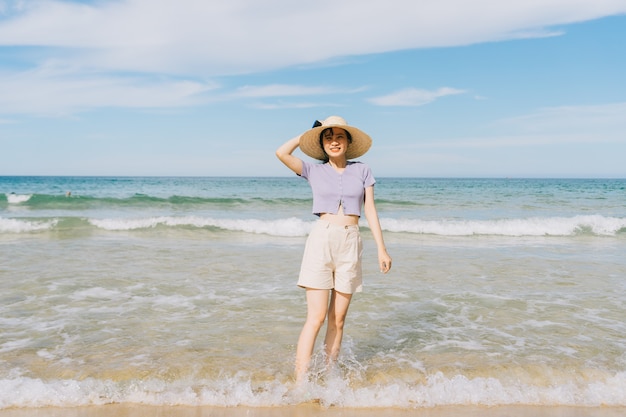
[310,140]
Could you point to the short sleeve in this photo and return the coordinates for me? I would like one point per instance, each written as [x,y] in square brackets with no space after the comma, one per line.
[368,177]
[306,169]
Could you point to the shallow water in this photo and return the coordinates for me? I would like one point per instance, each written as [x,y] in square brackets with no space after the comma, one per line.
[182,291]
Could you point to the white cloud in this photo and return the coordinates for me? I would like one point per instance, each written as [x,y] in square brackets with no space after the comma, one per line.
[506,141]
[52,93]
[281,90]
[97,54]
[279,93]
[225,37]
[592,119]
[413,97]
[287,105]
[566,125]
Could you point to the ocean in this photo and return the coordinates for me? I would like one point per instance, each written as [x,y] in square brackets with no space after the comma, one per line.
[182,291]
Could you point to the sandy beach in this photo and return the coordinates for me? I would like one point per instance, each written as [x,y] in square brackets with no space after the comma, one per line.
[312,410]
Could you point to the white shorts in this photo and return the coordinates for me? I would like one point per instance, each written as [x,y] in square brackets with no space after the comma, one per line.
[332,258]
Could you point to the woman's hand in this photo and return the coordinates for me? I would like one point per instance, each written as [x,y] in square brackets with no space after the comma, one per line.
[384,261]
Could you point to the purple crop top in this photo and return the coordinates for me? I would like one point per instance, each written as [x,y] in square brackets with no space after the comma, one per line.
[331,189]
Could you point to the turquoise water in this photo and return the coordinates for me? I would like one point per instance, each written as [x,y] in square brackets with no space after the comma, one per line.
[182,291]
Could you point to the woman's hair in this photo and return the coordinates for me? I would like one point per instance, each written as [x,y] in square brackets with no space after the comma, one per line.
[322,140]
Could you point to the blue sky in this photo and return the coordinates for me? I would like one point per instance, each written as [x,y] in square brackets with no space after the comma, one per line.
[446,88]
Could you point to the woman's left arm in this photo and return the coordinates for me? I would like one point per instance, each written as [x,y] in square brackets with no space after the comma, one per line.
[384,260]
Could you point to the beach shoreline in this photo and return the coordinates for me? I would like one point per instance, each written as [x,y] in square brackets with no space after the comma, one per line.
[170,296]
[314,410]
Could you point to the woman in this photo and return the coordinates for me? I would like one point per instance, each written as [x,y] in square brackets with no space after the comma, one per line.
[331,264]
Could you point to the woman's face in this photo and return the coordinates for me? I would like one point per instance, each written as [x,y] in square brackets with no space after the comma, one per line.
[335,142]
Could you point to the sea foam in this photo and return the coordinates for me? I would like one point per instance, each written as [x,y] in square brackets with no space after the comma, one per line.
[18,198]
[533,226]
[23,226]
[286,227]
[295,227]
[437,390]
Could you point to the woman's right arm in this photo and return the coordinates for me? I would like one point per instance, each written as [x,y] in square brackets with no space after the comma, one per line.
[284,153]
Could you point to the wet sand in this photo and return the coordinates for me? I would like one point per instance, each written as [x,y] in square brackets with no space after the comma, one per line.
[312,410]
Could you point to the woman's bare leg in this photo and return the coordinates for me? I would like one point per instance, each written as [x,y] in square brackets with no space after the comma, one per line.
[337,311]
[317,306]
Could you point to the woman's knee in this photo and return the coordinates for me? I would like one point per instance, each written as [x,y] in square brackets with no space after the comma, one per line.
[339,321]
[316,320]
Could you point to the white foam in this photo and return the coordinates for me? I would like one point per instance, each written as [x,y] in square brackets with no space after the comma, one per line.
[95,292]
[176,300]
[284,227]
[25,226]
[533,226]
[293,227]
[18,198]
[436,390]
[14,345]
